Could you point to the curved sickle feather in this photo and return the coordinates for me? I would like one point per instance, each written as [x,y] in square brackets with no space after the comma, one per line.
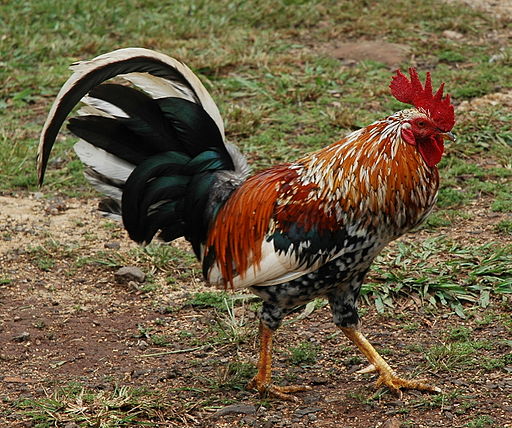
[88,74]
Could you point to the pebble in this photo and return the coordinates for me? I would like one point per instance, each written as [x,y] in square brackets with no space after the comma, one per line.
[112,245]
[318,380]
[129,273]
[23,337]
[453,35]
[306,411]
[392,423]
[234,409]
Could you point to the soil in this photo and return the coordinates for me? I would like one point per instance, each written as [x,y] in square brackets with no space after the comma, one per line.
[65,320]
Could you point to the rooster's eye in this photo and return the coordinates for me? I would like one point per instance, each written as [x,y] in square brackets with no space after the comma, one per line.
[422,123]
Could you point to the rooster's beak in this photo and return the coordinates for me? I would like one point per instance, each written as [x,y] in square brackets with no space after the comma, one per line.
[448,136]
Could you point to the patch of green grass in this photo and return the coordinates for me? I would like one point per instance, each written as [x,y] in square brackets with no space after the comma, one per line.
[456,355]
[305,353]
[503,204]
[437,219]
[466,275]
[216,299]
[444,218]
[104,258]
[279,96]
[496,363]
[451,198]
[77,404]
[233,327]
[160,340]
[163,256]
[433,401]
[481,421]
[236,376]
[451,56]
[459,333]
[484,132]
[46,255]
[504,226]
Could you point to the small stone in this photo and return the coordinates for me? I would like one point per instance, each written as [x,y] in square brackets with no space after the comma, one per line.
[140,373]
[453,35]
[391,423]
[129,273]
[23,337]
[318,380]
[234,409]
[112,245]
[142,344]
[306,411]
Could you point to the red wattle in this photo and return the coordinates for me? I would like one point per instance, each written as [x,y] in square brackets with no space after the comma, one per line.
[432,150]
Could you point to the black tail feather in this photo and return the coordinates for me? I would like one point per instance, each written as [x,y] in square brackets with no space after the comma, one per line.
[195,129]
[145,117]
[112,136]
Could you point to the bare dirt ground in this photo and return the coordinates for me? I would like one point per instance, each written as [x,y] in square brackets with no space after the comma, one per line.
[64,320]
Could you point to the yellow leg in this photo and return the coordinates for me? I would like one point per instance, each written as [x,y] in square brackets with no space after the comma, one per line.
[386,374]
[263,379]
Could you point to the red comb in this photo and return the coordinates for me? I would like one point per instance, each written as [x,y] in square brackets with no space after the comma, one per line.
[412,92]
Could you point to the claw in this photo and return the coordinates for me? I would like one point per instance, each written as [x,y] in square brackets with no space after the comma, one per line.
[281,392]
[368,369]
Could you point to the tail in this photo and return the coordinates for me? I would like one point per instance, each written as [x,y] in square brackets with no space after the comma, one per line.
[156,148]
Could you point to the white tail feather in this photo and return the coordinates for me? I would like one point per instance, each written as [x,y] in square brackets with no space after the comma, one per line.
[86,110]
[103,162]
[104,106]
[158,87]
[104,188]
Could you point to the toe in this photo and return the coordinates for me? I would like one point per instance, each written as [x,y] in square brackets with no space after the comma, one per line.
[368,369]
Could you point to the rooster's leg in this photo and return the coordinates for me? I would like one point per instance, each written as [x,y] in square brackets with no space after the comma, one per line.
[386,374]
[262,381]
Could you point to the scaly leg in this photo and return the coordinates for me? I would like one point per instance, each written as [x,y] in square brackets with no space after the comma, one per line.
[262,380]
[386,374]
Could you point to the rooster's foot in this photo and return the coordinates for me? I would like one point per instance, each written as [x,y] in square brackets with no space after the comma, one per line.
[387,376]
[396,384]
[280,392]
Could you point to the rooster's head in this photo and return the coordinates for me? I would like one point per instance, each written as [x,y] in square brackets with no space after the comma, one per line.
[435,116]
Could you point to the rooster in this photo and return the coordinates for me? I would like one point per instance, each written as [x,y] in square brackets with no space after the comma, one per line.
[154,144]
